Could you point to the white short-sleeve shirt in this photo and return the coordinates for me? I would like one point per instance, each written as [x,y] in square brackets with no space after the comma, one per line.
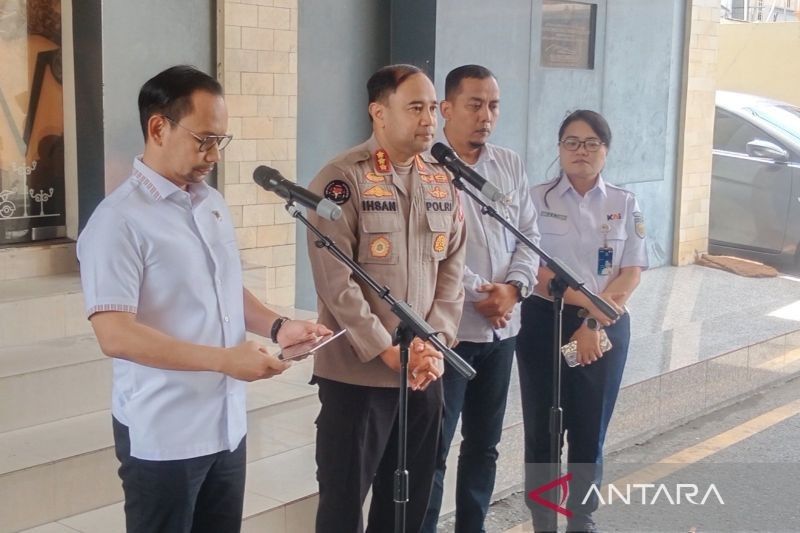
[170,257]
[493,254]
[574,228]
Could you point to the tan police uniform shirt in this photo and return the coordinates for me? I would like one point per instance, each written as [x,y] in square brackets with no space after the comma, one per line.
[420,258]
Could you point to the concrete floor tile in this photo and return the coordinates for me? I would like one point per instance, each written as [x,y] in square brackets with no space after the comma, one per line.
[108,519]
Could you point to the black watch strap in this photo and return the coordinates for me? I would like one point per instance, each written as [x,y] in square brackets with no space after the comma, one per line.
[276,327]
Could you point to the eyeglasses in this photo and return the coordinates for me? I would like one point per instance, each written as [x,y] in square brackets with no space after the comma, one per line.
[572,144]
[208,141]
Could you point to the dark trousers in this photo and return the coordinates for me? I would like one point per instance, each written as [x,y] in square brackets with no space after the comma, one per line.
[198,495]
[357,449]
[588,396]
[481,403]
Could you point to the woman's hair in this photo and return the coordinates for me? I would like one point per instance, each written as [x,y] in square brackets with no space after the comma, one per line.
[595,121]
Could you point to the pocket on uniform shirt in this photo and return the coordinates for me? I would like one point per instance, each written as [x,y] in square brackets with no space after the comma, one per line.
[438,235]
[377,242]
[616,241]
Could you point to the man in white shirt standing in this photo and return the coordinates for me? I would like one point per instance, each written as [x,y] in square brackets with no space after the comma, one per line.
[499,273]
[163,289]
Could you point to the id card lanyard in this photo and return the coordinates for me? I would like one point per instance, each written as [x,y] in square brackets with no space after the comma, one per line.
[605,254]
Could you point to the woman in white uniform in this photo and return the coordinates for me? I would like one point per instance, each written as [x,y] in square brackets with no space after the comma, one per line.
[597,230]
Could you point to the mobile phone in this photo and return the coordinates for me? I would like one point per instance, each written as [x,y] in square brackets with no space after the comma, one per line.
[304,349]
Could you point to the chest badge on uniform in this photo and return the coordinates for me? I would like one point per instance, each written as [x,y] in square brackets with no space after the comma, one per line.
[439,242]
[374,178]
[380,247]
[638,223]
[614,216]
[438,193]
[440,178]
[217,215]
[337,191]
[378,191]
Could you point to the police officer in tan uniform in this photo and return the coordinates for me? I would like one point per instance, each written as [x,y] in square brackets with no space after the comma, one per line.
[403,224]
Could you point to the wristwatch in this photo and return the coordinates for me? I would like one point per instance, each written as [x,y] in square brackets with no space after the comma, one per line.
[592,324]
[523,290]
[276,327]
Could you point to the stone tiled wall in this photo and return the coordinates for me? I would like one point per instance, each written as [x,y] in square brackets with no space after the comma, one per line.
[258,53]
[698,132]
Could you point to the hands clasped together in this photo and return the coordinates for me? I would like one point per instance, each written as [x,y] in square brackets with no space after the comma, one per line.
[425,363]
[588,339]
[498,304]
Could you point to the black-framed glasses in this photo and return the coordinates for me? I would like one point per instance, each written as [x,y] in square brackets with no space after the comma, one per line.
[572,144]
[208,141]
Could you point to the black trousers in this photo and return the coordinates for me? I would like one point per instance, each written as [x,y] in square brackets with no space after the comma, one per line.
[198,495]
[481,405]
[357,449]
[588,396]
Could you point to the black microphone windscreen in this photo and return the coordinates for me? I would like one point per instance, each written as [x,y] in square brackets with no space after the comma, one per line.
[442,152]
[266,176]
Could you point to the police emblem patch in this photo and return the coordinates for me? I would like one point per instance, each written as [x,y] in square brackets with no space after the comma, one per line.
[439,242]
[437,192]
[337,191]
[380,247]
[638,222]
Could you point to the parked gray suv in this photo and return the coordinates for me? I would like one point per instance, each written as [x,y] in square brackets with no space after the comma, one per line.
[755,186]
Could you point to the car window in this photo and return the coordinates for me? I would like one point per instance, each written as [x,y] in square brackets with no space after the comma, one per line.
[732,133]
[786,118]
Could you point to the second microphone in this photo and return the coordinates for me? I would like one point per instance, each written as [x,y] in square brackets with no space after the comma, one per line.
[271,180]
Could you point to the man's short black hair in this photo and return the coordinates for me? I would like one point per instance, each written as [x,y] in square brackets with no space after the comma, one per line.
[453,80]
[169,93]
[387,79]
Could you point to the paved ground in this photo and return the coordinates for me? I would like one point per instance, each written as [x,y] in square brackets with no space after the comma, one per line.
[749,451]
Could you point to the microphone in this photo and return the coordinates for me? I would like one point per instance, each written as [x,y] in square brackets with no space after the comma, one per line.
[446,156]
[271,180]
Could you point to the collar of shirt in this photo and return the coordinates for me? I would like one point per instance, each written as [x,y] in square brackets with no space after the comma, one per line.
[565,185]
[161,188]
[486,155]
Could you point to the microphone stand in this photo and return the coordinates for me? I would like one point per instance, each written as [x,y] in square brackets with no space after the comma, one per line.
[411,325]
[564,278]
